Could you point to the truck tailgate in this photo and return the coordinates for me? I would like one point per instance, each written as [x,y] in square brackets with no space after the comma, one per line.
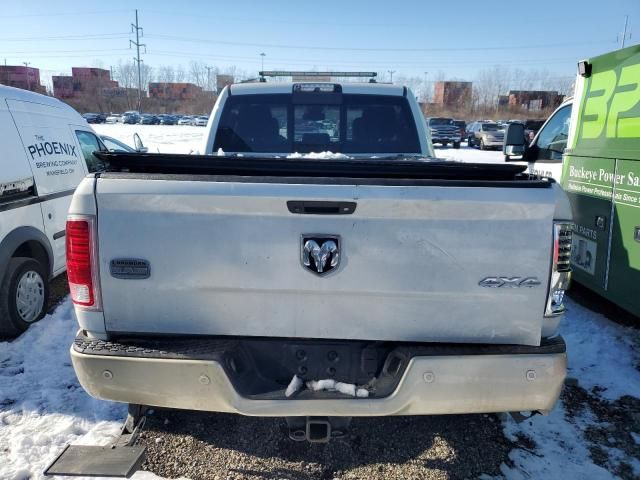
[225,259]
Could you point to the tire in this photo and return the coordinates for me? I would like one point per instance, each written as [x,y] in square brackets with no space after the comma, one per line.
[456,145]
[482,146]
[470,142]
[27,278]
[444,144]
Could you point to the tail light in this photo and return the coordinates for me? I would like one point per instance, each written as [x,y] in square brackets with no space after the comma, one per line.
[560,269]
[82,262]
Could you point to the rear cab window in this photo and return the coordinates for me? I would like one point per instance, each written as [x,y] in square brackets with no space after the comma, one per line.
[344,123]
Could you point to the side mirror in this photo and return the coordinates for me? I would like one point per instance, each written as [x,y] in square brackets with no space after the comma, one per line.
[137,142]
[515,144]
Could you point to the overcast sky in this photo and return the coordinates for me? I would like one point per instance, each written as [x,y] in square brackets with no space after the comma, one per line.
[411,37]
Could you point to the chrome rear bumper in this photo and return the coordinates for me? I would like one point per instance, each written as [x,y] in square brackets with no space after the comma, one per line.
[434,384]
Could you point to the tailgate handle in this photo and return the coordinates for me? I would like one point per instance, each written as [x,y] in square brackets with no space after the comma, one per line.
[312,207]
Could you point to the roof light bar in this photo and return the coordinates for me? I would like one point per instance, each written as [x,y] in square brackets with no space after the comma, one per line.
[282,73]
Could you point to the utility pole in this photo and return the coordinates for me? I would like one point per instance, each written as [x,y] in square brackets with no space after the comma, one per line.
[624,31]
[137,43]
[26,64]
[262,55]
[391,72]
[426,87]
[208,77]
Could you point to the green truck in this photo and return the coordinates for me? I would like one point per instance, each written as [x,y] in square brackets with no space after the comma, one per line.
[591,145]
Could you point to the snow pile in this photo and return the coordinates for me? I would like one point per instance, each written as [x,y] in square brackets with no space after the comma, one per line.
[327,384]
[601,354]
[320,156]
[465,154]
[332,386]
[294,386]
[42,405]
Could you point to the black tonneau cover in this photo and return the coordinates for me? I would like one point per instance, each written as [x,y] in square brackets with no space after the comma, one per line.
[370,168]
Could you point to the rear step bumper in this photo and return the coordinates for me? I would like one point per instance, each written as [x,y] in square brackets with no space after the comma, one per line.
[489,379]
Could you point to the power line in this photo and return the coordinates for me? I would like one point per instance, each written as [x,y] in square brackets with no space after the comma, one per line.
[36,52]
[377,49]
[68,37]
[66,14]
[413,63]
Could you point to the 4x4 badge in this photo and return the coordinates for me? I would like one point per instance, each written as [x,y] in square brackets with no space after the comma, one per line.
[320,253]
[509,282]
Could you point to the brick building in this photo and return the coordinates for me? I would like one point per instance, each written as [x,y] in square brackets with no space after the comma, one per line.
[83,80]
[174,91]
[452,94]
[534,99]
[19,76]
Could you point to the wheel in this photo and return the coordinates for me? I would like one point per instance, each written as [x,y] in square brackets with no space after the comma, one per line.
[456,145]
[482,146]
[23,295]
[470,142]
[444,144]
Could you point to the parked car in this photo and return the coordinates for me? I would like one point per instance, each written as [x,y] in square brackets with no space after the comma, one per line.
[130,118]
[167,119]
[114,118]
[485,135]
[147,119]
[92,118]
[201,121]
[46,150]
[434,315]
[444,131]
[462,125]
[186,120]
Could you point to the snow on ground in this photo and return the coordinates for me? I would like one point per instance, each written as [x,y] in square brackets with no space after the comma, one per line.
[603,358]
[157,138]
[42,406]
[466,154]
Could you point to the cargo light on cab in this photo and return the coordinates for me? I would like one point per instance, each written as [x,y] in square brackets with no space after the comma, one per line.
[82,262]
[560,269]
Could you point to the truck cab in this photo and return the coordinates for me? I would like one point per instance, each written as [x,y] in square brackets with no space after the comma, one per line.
[284,119]
[591,145]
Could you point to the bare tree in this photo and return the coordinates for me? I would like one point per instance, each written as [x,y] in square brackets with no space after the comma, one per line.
[198,73]
[180,74]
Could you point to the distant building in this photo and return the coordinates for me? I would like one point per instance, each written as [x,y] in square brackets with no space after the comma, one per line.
[534,99]
[174,91]
[19,76]
[452,94]
[83,80]
[120,92]
[62,86]
[503,100]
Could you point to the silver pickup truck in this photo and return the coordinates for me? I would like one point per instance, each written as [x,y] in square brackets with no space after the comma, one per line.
[264,279]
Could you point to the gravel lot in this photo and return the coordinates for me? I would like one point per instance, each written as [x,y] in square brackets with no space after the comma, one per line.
[216,446]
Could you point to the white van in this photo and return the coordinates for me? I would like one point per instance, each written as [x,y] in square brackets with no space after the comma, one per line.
[46,149]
